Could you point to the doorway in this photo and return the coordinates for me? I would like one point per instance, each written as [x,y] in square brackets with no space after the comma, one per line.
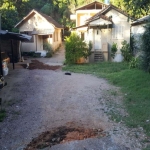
[97,40]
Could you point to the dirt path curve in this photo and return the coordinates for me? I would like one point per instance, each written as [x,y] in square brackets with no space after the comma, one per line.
[39,100]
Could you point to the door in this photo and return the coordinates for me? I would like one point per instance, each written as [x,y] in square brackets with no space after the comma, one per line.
[97,39]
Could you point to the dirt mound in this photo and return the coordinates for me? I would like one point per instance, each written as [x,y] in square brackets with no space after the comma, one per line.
[39,65]
[62,135]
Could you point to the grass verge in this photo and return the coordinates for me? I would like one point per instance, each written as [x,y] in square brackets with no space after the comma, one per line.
[134,83]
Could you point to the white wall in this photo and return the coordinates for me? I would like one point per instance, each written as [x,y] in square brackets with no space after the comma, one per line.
[36,21]
[39,23]
[120,31]
[137,32]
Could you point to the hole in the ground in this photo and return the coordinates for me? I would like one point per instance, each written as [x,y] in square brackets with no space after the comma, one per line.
[62,135]
[39,65]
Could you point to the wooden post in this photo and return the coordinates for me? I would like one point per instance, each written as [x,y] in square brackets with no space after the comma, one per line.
[1,68]
[36,41]
[12,51]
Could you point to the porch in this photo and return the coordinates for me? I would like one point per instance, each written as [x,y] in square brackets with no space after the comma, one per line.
[99,55]
[100,37]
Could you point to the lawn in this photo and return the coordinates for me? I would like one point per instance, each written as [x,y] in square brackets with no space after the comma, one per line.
[134,83]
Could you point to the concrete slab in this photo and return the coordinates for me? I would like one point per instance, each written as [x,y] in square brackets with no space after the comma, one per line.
[54,64]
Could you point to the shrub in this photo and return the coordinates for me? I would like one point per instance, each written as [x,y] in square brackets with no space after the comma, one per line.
[125,50]
[133,45]
[87,52]
[134,63]
[145,48]
[113,50]
[48,48]
[76,48]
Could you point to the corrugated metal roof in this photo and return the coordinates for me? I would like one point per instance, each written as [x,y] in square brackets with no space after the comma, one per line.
[16,36]
[141,20]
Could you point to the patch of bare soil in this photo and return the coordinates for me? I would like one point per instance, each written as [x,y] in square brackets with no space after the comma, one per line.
[39,65]
[62,135]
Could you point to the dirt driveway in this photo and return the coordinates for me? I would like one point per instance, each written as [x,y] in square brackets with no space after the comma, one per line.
[41,100]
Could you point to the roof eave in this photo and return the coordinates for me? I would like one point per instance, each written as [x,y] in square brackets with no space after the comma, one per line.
[139,22]
[115,8]
[19,23]
[90,4]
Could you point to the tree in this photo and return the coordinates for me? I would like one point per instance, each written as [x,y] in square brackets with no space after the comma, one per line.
[47,9]
[138,8]
[8,15]
[118,3]
[23,7]
[8,20]
[9,12]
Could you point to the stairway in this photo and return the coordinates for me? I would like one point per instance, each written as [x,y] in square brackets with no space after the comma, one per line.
[98,56]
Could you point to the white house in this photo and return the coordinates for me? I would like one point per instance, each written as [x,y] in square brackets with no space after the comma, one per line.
[42,28]
[107,25]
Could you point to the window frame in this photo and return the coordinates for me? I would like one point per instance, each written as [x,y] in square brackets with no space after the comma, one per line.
[118,32]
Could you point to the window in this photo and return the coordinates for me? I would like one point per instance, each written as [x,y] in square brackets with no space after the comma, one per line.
[117,32]
[30,34]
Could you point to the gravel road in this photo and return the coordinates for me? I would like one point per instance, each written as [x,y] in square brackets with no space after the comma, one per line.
[39,100]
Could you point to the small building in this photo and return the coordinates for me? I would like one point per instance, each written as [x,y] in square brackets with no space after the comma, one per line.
[102,25]
[43,29]
[137,29]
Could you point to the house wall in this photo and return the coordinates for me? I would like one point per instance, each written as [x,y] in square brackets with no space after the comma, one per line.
[56,42]
[40,24]
[106,40]
[119,32]
[39,42]
[137,31]
[82,15]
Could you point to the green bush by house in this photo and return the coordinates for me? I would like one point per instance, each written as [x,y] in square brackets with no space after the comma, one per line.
[76,48]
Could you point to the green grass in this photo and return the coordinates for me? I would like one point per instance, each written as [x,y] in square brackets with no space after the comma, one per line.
[134,83]
[2,115]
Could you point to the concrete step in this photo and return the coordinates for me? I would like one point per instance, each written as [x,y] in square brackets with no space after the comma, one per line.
[98,56]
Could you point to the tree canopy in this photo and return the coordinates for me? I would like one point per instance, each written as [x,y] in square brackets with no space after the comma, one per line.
[138,8]
[13,11]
